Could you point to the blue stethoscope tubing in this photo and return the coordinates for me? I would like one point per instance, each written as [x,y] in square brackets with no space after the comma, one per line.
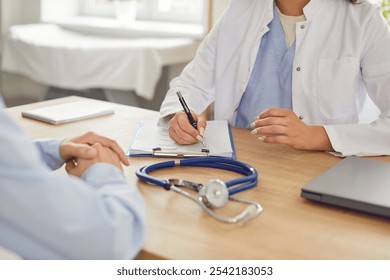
[234,186]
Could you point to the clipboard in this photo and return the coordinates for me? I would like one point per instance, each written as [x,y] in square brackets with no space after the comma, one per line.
[152,140]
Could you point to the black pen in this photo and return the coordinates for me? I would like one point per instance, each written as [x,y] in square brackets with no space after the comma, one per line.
[189,116]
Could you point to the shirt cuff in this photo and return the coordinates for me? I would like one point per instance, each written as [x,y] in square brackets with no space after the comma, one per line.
[102,174]
[50,152]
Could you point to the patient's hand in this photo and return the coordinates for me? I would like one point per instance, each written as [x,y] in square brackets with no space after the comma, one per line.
[80,147]
[77,166]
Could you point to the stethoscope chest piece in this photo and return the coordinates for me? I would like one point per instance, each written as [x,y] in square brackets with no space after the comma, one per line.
[214,194]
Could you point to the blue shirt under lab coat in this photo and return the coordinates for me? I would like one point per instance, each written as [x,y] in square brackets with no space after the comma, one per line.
[270,85]
[44,215]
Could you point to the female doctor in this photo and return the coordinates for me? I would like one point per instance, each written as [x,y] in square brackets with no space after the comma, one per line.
[296,72]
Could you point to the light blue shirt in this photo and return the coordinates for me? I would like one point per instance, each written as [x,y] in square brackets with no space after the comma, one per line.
[270,84]
[44,215]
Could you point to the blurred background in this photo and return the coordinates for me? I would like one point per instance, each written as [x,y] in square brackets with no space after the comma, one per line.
[123,51]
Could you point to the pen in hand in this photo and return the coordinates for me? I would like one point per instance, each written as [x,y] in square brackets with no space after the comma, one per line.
[189,116]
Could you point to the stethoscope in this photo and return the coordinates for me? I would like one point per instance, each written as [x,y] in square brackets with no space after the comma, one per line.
[216,193]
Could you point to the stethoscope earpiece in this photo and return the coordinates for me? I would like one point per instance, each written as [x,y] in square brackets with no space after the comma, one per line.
[216,193]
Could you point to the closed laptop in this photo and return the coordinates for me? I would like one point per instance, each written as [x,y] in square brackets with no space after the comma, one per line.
[355,183]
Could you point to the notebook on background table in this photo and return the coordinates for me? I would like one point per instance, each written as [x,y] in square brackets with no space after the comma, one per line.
[70,112]
[356,183]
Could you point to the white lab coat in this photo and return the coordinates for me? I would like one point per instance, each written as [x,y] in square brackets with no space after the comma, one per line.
[342,52]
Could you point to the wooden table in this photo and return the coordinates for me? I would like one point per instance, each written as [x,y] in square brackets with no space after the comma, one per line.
[290,227]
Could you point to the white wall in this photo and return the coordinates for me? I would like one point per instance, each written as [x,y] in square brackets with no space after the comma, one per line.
[50,8]
[30,11]
[10,13]
[19,12]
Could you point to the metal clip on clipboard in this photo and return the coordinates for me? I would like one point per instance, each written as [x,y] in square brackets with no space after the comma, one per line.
[158,152]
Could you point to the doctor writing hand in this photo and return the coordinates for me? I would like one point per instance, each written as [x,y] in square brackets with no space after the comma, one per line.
[80,147]
[182,132]
[282,126]
[103,154]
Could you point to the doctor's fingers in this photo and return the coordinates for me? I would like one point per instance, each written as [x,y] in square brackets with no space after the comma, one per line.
[181,137]
[294,141]
[271,129]
[275,112]
[201,122]
[276,139]
[296,134]
[181,123]
[270,121]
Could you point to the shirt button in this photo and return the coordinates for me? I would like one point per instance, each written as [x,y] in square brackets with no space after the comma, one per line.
[300,117]
[302,26]
[298,68]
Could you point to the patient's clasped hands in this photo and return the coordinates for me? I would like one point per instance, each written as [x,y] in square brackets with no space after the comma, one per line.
[83,151]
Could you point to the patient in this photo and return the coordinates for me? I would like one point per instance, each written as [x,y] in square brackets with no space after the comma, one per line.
[93,214]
